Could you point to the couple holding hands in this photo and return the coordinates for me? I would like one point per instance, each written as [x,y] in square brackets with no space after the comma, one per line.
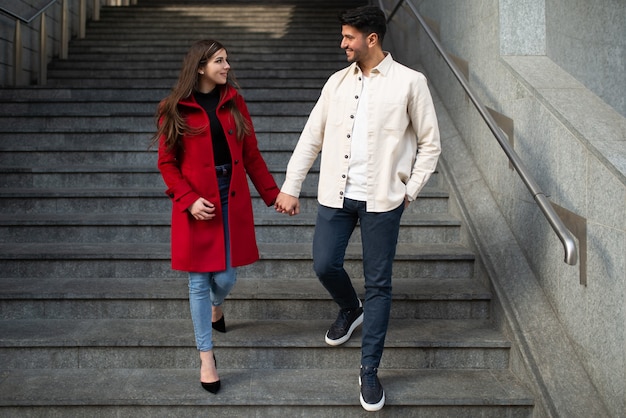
[375,126]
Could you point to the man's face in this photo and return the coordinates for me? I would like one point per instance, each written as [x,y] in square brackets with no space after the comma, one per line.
[354,43]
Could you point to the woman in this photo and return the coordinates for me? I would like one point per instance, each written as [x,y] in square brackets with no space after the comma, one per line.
[207,146]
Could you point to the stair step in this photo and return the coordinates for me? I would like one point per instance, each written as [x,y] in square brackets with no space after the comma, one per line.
[141,122]
[112,141]
[114,74]
[268,392]
[53,180]
[238,57]
[154,200]
[252,94]
[247,344]
[142,227]
[91,176]
[299,297]
[168,83]
[101,177]
[277,260]
[174,287]
[120,157]
[232,41]
[46,94]
[288,106]
[179,49]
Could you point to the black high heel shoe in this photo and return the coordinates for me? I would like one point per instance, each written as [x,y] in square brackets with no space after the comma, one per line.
[212,387]
[219,325]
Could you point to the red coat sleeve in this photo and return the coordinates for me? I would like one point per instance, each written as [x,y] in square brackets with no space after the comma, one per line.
[255,165]
[178,189]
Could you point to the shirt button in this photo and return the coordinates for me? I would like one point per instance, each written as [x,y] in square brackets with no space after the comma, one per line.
[348,135]
[230,132]
[345,156]
[351,116]
[340,193]
[356,97]
[343,176]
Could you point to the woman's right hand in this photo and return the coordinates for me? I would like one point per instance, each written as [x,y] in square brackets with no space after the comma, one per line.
[202,210]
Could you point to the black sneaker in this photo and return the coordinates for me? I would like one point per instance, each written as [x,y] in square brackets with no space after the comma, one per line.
[347,321]
[372,393]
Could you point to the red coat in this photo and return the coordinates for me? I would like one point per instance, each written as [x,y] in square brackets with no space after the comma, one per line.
[198,246]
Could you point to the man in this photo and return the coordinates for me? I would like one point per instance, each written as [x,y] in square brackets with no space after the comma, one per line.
[376,128]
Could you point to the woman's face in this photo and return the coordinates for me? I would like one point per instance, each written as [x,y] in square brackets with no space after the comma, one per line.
[214,72]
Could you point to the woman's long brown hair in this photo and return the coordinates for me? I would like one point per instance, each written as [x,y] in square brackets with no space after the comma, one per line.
[171,124]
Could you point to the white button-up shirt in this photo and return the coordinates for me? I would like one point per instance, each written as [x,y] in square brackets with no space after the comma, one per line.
[403,142]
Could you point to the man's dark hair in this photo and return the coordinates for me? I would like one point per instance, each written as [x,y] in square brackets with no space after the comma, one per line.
[366,19]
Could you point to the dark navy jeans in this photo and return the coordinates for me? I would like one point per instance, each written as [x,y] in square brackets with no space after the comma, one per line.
[379,238]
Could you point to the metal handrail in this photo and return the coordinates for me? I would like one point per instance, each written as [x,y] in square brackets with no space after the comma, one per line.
[567,238]
[27,20]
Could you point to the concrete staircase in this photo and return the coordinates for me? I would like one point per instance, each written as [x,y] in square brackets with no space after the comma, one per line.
[93,322]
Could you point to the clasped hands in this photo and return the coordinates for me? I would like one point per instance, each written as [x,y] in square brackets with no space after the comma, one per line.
[288,204]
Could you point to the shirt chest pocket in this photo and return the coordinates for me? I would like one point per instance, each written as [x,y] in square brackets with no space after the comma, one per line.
[393,115]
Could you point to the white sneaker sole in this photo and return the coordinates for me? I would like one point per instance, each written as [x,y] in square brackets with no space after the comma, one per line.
[369,406]
[346,337]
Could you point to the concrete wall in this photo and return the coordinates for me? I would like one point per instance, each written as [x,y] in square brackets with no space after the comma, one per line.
[572,141]
[588,40]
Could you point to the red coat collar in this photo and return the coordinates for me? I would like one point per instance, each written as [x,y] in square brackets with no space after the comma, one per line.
[226,95]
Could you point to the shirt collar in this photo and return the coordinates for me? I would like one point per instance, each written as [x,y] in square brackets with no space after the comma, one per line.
[382,67]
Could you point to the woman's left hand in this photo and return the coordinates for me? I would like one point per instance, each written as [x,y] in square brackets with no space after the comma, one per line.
[202,210]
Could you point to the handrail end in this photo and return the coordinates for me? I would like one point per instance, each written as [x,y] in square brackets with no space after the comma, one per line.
[571,253]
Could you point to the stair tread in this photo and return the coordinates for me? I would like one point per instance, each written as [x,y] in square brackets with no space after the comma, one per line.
[154,251]
[302,288]
[127,191]
[44,94]
[82,169]
[254,333]
[179,387]
[164,219]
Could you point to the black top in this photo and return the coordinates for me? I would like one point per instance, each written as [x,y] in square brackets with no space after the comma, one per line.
[209,102]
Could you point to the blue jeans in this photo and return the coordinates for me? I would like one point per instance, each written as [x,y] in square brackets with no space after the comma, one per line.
[210,289]
[379,238]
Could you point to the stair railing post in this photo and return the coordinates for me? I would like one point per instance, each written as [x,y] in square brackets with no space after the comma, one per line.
[43,62]
[82,18]
[17,53]
[64,30]
[96,10]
